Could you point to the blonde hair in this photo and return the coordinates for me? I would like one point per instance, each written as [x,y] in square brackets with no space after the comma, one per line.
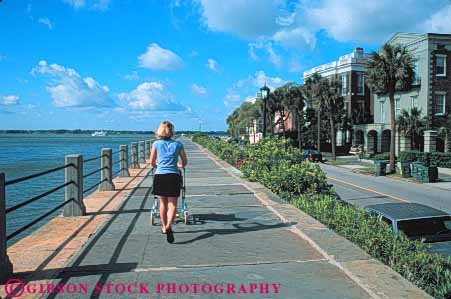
[165,130]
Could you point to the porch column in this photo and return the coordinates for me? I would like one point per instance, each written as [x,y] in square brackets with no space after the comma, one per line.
[404,142]
[339,138]
[379,142]
[430,141]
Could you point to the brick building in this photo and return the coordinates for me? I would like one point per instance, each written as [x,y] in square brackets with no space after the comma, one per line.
[350,71]
[431,91]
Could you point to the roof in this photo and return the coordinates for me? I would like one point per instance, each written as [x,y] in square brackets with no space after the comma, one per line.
[399,211]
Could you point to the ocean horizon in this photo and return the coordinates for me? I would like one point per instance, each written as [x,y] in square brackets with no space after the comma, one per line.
[27,154]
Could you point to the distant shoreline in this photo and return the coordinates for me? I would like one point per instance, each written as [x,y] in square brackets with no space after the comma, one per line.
[113,132]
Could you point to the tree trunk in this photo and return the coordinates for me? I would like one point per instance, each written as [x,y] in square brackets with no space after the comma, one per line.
[318,130]
[299,127]
[282,122]
[447,145]
[393,130]
[332,135]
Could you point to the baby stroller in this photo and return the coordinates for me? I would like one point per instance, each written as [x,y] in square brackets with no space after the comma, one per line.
[182,208]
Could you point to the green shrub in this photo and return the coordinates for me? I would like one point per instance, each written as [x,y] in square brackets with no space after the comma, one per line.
[430,272]
[382,156]
[435,159]
[282,169]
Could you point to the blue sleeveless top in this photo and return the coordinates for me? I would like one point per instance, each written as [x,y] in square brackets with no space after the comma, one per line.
[167,155]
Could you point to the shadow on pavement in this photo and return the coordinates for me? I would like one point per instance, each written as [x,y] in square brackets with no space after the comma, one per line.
[238,228]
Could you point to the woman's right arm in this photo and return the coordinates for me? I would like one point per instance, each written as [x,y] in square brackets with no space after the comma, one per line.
[153,157]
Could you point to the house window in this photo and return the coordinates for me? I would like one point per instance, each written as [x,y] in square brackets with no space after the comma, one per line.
[397,106]
[416,76]
[440,104]
[440,65]
[344,85]
[382,107]
[361,106]
[413,102]
[360,84]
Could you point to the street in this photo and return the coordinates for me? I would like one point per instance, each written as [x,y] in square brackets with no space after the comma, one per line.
[364,190]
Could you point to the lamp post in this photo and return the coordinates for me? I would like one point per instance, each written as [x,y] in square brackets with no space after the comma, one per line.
[264,91]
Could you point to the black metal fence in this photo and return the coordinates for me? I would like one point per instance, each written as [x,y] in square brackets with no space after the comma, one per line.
[74,191]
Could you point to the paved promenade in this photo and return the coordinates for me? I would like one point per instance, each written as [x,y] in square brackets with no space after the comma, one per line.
[242,243]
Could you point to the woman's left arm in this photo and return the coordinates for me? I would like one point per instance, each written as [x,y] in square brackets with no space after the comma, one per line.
[183,158]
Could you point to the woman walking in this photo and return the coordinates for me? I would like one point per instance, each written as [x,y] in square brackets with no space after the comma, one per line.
[167,179]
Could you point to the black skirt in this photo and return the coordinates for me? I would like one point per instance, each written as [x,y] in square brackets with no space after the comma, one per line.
[167,184]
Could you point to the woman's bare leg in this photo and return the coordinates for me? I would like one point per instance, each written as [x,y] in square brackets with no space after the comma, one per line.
[163,212]
[172,208]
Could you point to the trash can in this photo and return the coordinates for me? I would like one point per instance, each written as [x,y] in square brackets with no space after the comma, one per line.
[405,169]
[381,167]
[429,175]
[417,169]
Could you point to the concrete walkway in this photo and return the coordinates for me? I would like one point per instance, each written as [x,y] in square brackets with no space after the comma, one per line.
[234,244]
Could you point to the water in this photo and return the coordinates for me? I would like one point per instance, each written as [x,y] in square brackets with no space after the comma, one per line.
[26,154]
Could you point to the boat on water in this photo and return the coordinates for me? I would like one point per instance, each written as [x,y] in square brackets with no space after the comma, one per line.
[99,134]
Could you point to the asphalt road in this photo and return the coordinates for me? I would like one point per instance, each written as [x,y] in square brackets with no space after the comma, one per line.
[364,190]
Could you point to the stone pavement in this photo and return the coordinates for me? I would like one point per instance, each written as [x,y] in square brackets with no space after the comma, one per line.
[241,243]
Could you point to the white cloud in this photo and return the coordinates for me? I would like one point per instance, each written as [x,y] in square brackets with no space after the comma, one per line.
[213,65]
[46,22]
[133,76]
[247,88]
[100,5]
[245,18]
[274,58]
[150,96]
[295,24]
[68,89]
[160,59]
[9,100]
[439,21]
[371,21]
[258,80]
[199,90]
[264,45]
[296,38]
[232,100]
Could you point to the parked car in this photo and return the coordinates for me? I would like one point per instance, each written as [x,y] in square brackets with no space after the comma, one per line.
[355,149]
[417,222]
[313,155]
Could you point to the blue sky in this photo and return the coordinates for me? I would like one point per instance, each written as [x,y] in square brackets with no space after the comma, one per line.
[116,64]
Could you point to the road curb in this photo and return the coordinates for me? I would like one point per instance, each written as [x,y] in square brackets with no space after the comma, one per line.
[377,279]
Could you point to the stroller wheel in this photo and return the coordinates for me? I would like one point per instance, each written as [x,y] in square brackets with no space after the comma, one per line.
[152,219]
[186,218]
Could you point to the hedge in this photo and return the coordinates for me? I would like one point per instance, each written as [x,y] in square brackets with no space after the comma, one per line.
[297,181]
[435,158]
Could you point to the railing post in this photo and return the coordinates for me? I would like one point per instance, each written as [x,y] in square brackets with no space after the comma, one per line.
[6,268]
[123,156]
[142,158]
[135,164]
[147,149]
[74,191]
[106,174]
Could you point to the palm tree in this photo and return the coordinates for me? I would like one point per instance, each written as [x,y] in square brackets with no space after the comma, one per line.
[275,105]
[445,132]
[333,105]
[293,101]
[389,71]
[411,124]
[312,89]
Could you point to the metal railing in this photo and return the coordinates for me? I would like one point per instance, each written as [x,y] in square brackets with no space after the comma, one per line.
[74,193]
